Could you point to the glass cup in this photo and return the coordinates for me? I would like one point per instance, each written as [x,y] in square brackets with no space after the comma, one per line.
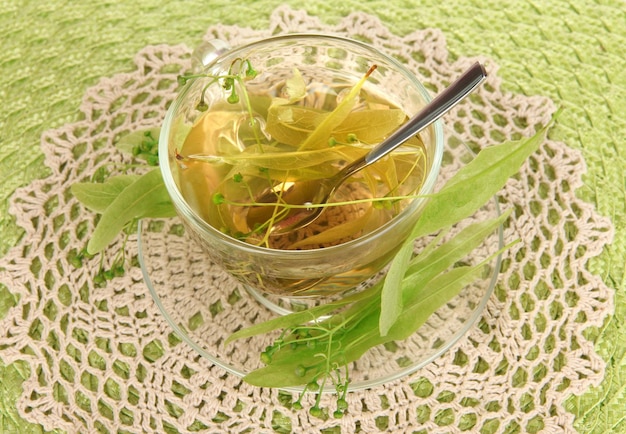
[322,59]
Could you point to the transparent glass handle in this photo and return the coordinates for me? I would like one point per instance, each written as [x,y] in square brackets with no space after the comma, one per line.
[207,52]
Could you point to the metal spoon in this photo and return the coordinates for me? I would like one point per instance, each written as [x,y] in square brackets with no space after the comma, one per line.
[320,191]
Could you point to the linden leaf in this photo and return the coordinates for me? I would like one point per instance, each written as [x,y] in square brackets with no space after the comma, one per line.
[291,124]
[295,88]
[98,196]
[369,126]
[135,139]
[319,137]
[347,229]
[145,197]
[463,194]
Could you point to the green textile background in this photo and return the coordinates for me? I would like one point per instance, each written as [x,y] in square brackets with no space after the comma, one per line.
[571,51]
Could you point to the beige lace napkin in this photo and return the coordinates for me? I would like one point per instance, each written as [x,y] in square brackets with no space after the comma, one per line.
[102,358]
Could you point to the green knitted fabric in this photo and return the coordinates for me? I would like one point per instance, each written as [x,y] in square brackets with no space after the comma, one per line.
[570,51]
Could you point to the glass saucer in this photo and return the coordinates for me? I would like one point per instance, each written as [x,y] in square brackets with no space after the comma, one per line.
[204,305]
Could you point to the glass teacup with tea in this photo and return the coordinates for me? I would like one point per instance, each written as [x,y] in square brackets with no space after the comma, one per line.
[268,119]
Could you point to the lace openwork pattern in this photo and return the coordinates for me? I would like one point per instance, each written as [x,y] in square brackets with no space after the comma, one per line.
[103,359]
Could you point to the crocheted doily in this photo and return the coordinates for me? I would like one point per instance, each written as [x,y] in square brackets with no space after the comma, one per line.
[103,359]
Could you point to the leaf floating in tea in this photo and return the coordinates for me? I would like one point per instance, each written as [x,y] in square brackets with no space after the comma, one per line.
[351,228]
[294,124]
[288,122]
[369,126]
[319,137]
[291,124]
[295,87]
[276,159]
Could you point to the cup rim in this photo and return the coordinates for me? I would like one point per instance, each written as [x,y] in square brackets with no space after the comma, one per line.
[183,207]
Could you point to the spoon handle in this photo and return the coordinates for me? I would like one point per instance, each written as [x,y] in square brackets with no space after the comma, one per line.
[443,102]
